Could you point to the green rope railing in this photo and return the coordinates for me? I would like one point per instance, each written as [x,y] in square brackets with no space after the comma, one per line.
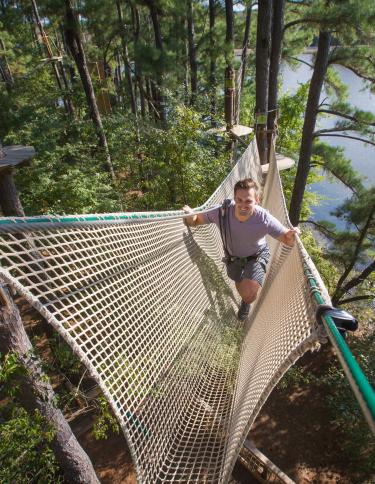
[361,387]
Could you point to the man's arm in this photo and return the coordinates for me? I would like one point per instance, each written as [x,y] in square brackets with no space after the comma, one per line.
[289,236]
[194,220]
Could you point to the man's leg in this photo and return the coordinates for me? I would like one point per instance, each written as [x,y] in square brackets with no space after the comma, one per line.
[248,290]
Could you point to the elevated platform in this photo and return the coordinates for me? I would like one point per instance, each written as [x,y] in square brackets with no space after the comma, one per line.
[237,130]
[17,155]
[283,163]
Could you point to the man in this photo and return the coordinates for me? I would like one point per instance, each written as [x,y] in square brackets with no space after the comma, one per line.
[244,225]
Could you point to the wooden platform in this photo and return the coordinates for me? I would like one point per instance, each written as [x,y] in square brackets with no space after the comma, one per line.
[237,130]
[17,155]
[283,163]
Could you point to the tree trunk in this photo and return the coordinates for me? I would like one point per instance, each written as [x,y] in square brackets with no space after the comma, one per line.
[73,40]
[316,84]
[9,201]
[36,393]
[137,63]
[67,102]
[126,58]
[229,37]
[277,36]
[192,53]
[245,45]
[6,73]
[158,96]
[263,50]
[212,76]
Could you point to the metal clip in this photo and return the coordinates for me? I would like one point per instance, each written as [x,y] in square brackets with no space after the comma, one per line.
[343,320]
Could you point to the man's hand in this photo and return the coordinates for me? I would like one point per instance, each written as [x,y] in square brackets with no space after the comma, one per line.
[289,237]
[191,221]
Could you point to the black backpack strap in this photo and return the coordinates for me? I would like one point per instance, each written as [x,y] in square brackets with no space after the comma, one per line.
[223,224]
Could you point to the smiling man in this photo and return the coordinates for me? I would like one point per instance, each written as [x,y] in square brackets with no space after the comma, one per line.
[243,224]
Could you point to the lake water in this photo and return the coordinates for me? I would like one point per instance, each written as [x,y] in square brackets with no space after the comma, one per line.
[361,155]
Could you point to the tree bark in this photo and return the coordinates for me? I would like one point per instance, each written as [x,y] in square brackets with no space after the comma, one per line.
[74,42]
[276,44]
[229,35]
[263,50]
[9,200]
[137,62]
[212,76]
[316,84]
[36,393]
[192,53]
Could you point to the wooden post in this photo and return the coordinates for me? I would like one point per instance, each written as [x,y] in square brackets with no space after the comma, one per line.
[10,157]
[36,393]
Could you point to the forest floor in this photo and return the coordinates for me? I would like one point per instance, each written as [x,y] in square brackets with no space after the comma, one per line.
[294,428]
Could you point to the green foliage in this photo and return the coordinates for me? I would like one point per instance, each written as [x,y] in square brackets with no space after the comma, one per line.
[359,447]
[64,358]
[105,422]
[24,450]
[290,122]
[317,252]
[10,371]
[25,454]
[296,377]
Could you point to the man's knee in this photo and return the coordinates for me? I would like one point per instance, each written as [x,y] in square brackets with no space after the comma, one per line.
[248,290]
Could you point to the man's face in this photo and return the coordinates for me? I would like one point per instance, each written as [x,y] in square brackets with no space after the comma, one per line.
[245,200]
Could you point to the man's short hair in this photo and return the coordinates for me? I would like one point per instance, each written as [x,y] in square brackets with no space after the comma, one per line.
[246,184]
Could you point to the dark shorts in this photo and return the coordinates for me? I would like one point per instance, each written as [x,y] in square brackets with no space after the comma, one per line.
[254,269]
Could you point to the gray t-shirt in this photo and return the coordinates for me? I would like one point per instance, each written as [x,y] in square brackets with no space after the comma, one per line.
[246,238]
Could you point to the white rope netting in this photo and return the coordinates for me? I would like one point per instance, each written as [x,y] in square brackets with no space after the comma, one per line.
[146,305]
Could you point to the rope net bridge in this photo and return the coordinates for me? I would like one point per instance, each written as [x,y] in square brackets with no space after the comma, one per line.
[146,305]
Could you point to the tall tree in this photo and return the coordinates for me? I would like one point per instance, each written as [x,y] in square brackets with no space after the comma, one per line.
[245,47]
[263,51]
[159,66]
[316,84]
[67,101]
[275,59]
[354,52]
[230,86]
[212,6]
[74,42]
[192,52]
[125,56]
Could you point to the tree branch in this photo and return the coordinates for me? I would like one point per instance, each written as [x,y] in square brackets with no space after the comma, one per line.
[319,226]
[362,276]
[335,174]
[339,290]
[334,130]
[350,137]
[355,298]
[343,115]
[299,60]
[300,21]
[355,71]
